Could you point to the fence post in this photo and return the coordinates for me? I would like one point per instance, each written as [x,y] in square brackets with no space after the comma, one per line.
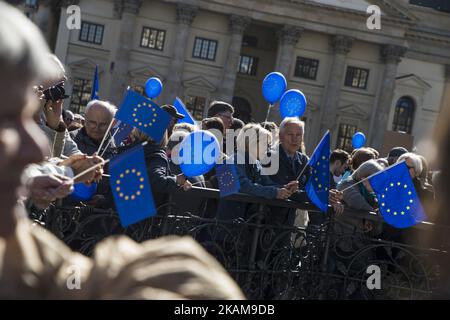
[324,263]
[165,215]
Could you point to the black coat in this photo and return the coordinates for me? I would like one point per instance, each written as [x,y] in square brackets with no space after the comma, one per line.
[89,146]
[289,171]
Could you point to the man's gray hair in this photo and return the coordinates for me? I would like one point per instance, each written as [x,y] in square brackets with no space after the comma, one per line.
[416,161]
[106,104]
[23,50]
[367,169]
[291,120]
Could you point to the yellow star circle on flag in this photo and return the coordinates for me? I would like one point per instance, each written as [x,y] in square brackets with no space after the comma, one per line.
[129,195]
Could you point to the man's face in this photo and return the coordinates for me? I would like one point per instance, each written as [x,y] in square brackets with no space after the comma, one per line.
[227,118]
[98,119]
[291,137]
[339,168]
[21,140]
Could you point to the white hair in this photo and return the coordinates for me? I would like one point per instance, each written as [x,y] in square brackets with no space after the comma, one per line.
[416,162]
[367,169]
[23,50]
[291,120]
[106,104]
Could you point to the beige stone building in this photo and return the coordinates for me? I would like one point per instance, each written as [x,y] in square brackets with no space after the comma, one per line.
[395,78]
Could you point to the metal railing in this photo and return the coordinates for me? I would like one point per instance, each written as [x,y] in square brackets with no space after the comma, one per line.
[327,259]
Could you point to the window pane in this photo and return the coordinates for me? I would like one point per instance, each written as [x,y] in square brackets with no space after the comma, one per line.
[306,68]
[145,35]
[160,41]
[197,47]
[212,50]
[196,106]
[84,31]
[81,94]
[204,52]
[99,35]
[346,132]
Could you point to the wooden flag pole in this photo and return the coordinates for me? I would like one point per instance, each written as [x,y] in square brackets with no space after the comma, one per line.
[106,134]
[90,169]
[109,142]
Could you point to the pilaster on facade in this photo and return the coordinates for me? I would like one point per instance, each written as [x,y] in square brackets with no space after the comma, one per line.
[186,13]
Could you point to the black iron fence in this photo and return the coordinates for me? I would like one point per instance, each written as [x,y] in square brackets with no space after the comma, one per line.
[330,258]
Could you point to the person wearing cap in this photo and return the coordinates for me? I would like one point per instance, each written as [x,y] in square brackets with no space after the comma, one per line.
[394,154]
[172,111]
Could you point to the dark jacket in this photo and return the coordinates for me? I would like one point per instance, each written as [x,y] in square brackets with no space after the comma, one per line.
[252,182]
[185,202]
[288,170]
[89,146]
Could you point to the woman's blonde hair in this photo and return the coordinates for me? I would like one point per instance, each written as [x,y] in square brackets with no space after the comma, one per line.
[253,135]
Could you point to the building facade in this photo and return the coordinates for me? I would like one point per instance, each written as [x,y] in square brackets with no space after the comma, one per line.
[396,78]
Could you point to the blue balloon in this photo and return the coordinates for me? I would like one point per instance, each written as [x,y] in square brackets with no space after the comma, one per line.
[358,140]
[153,87]
[83,192]
[292,104]
[198,154]
[273,87]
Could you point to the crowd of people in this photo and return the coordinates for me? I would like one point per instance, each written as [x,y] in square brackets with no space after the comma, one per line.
[43,147]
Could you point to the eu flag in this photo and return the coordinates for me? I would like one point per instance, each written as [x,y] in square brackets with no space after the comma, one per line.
[318,185]
[397,198]
[181,108]
[228,179]
[144,114]
[123,130]
[95,85]
[130,187]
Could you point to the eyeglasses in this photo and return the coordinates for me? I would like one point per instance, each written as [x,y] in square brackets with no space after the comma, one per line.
[93,124]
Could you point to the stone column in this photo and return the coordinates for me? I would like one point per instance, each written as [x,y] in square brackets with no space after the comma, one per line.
[237,26]
[126,11]
[391,56]
[63,33]
[288,37]
[341,46]
[185,14]
[445,100]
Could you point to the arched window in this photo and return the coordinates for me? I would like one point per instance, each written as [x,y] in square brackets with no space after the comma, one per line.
[242,109]
[404,114]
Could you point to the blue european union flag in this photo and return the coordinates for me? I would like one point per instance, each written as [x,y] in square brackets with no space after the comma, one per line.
[228,179]
[123,130]
[144,114]
[95,85]
[318,185]
[397,198]
[130,187]
[181,108]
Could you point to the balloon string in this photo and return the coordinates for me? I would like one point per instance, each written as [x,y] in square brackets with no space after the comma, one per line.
[268,112]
